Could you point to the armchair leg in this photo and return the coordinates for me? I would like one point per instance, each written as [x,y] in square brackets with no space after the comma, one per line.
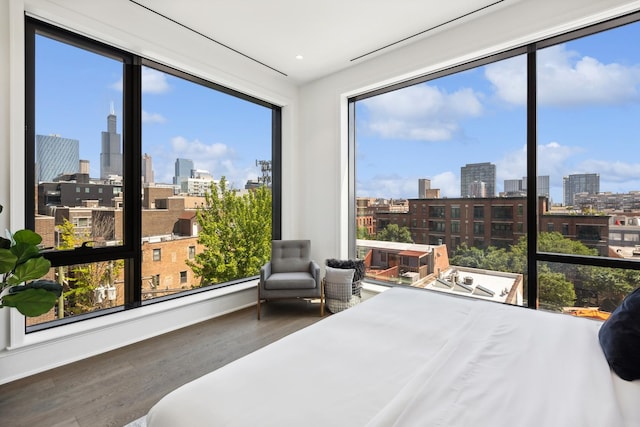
[258,305]
[322,298]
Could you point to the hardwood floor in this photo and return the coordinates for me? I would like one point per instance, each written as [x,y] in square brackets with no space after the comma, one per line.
[120,386]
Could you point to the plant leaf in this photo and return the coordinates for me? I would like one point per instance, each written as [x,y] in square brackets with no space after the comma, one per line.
[7,261]
[27,236]
[32,269]
[31,302]
[25,251]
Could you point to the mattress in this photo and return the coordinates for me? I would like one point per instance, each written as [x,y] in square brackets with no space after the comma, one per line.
[411,357]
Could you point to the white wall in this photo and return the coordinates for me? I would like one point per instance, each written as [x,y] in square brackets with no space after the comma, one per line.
[314,137]
[122,24]
[322,122]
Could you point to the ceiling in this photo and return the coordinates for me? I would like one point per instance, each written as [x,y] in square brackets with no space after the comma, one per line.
[305,40]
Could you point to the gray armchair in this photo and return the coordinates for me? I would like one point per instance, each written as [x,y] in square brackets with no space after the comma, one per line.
[290,274]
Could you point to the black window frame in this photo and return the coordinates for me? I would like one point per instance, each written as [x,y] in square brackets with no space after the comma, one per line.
[534,257]
[131,248]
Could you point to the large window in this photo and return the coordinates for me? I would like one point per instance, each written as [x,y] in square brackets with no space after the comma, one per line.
[124,157]
[547,132]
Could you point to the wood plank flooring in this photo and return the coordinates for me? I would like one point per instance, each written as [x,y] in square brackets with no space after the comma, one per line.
[120,386]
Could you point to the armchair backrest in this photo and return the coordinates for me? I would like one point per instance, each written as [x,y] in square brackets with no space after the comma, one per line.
[290,255]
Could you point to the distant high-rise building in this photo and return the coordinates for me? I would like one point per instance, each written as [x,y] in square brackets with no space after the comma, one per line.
[481,172]
[478,189]
[579,183]
[512,186]
[111,154]
[56,155]
[542,184]
[183,168]
[519,186]
[424,184]
[147,169]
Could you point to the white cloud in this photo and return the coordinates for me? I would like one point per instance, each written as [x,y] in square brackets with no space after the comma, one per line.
[552,161]
[402,187]
[566,78]
[448,183]
[153,81]
[421,112]
[216,158]
[152,117]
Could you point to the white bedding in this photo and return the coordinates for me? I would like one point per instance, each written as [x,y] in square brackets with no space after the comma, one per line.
[411,357]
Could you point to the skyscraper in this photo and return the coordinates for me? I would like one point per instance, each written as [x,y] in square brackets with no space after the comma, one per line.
[579,183]
[183,171]
[147,169]
[56,155]
[111,154]
[481,172]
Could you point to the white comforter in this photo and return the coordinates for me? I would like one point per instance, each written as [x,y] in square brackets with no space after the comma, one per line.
[416,358]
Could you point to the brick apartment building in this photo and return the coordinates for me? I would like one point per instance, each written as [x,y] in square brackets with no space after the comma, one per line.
[492,221]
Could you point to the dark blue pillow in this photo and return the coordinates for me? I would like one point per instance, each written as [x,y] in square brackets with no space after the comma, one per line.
[620,338]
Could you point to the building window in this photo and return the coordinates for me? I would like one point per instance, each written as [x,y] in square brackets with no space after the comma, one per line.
[478,212]
[550,227]
[502,212]
[183,277]
[455,211]
[76,74]
[455,226]
[192,252]
[436,211]
[478,228]
[542,68]
[157,255]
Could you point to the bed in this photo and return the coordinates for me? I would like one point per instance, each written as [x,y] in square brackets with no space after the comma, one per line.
[410,357]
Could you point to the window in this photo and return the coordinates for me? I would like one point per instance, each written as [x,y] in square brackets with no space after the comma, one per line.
[183,277]
[478,212]
[455,211]
[559,133]
[436,211]
[122,111]
[502,212]
[455,226]
[478,228]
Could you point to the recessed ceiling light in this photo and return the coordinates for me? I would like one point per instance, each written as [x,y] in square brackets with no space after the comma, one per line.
[299,57]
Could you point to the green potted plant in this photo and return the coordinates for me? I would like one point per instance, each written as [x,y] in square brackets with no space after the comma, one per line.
[21,267]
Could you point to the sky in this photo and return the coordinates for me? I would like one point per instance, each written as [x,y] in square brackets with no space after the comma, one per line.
[588,122]
[76,89]
[588,119]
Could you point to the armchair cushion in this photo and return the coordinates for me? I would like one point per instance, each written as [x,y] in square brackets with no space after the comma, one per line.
[290,255]
[293,280]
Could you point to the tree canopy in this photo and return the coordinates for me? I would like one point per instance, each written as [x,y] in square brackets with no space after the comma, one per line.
[395,233]
[235,231]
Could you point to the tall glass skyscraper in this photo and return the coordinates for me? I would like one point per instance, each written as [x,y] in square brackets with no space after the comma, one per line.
[56,155]
[183,171]
[111,154]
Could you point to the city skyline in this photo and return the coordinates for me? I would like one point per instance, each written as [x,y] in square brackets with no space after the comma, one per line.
[588,104]
[221,133]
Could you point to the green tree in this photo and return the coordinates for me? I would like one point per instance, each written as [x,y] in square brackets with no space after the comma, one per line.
[363,233]
[81,281]
[395,233]
[235,231]
[555,290]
